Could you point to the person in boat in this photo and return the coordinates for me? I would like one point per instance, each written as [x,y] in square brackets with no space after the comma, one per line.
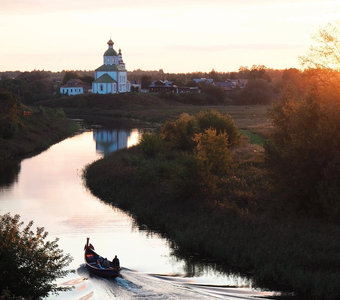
[115,262]
[100,262]
[106,263]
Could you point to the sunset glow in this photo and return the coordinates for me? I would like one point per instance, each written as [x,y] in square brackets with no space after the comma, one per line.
[176,36]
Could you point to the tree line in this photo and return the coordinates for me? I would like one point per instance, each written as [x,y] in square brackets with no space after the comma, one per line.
[263,83]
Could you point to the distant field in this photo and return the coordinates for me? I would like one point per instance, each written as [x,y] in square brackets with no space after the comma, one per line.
[150,108]
[251,117]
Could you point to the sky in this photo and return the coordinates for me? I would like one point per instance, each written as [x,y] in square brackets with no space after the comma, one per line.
[178,36]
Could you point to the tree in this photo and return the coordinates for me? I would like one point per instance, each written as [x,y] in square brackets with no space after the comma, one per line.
[305,151]
[29,265]
[214,75]
[257,91]
[324,57]
[151,144]
[178,134]
[213,159]
[222,124]
[9,103]
[87,78]
[69,75]
[243,72]
[291,75]
[214,94]
[145,81]
[259,72]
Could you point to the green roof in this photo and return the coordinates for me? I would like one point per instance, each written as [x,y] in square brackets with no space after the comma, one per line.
[110,52]
[104,79]
[108,68]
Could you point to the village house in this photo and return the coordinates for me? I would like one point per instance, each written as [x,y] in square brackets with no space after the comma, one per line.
[162,86]
[205,80]
[188,89]
[227,85]
[75,87]
[168,87]
[240,82]
[230,84]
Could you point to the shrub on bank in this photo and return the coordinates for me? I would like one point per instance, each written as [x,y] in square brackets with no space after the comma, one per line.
[179,134]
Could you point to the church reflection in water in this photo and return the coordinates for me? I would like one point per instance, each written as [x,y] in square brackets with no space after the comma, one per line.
[110,140]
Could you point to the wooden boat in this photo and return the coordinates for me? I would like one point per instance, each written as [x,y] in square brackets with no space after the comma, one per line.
[94,263]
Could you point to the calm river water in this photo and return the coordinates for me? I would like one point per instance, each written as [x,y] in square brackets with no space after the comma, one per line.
[48,189]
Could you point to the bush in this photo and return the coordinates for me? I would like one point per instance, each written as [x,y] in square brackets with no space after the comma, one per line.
[213,158]
[151,144]
[179,134]
[29,265]
[222,124]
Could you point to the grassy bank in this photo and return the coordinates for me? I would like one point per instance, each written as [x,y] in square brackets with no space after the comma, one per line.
[36,132]
[245,229]
[154,109]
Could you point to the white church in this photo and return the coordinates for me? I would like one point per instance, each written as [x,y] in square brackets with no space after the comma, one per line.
[111,77]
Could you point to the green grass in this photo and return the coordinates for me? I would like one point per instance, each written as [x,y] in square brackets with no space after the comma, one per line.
[255,139]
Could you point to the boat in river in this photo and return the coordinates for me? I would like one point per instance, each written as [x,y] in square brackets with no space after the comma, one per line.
[98,265]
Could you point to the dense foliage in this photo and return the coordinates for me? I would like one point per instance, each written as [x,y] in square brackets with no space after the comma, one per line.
[29,86]
[25,129]
[195,151]
[9,104]
[257,91]
[29,263]
[305,152]
[179,134]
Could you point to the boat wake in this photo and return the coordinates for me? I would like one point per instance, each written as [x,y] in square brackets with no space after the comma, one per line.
[135,285]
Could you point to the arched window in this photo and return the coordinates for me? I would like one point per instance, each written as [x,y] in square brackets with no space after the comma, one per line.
[101,87]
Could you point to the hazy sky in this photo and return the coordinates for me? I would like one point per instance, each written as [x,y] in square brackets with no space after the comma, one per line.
[176,36]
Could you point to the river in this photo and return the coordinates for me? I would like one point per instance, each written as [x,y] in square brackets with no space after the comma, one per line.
[49,190]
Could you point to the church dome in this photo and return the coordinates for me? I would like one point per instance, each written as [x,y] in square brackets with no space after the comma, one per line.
[110,51]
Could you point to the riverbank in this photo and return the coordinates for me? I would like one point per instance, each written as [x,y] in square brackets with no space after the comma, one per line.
[36,132]
[247,232]
[155,110]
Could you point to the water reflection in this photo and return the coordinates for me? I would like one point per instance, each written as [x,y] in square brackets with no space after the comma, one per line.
[110,140]
[199,268]
[9,174]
